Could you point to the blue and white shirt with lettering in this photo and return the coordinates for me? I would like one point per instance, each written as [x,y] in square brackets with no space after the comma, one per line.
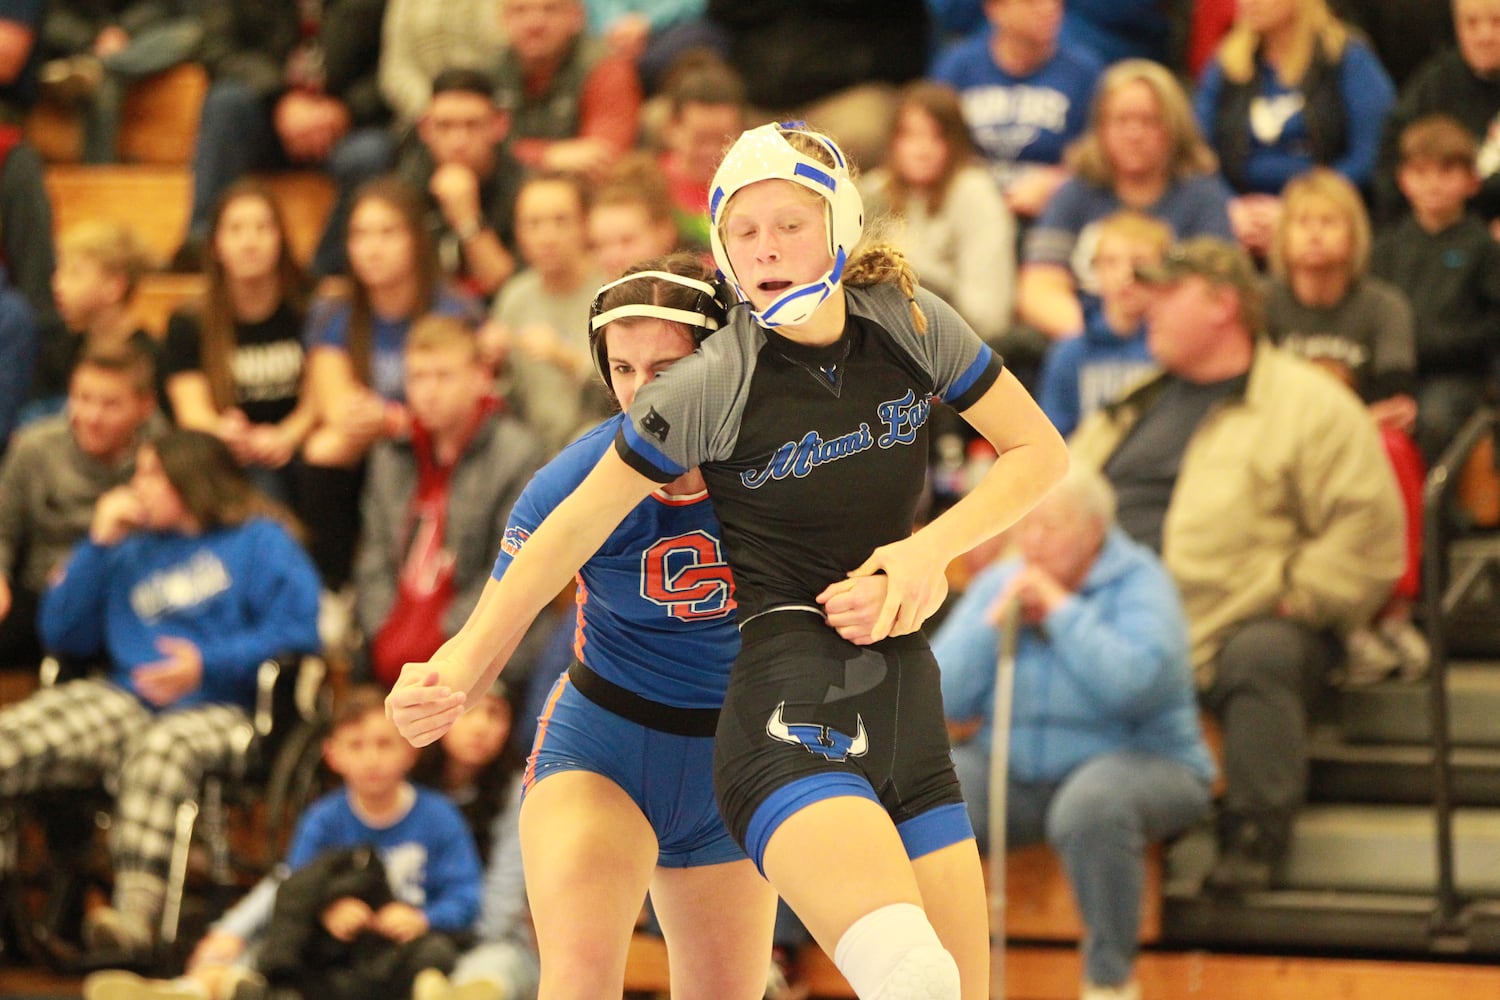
[1020,120]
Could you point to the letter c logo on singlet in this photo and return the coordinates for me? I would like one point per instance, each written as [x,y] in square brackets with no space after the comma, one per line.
[688,576]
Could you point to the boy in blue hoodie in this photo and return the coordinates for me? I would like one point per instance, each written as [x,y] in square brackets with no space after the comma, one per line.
[187,581]
[382,882]
[1084,373]
[384,873]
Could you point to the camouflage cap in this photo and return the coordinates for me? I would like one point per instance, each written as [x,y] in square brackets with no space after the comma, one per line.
[1217,262]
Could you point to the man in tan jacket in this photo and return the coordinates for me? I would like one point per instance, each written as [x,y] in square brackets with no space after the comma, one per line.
[1263,484]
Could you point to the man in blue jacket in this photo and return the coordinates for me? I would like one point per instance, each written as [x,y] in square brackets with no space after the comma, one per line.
[1106,753]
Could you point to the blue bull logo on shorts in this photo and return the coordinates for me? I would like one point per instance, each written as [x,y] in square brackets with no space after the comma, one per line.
[821,740]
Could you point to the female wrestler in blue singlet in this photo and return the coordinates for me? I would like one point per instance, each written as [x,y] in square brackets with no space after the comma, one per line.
[619,788]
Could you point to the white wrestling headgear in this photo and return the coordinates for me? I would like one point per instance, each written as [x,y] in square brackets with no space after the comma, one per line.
[706,315]
[764,154]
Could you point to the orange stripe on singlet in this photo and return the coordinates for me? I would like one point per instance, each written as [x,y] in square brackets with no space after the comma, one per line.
[580,601]
[541,731]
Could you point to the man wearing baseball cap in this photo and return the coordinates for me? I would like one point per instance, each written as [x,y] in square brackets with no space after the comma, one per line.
[1261,482]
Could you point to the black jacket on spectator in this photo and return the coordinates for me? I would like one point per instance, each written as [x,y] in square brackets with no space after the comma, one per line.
[251,41]
[70,26]
[26,227]
[301,954]
[1404,32]
[1446,85]
[497,197]
[1452,279]
[791,52]
[1323,111]
[296,937]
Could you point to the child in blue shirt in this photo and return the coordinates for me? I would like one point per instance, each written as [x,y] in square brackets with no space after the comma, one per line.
[1081,374]
[224,964]
[335,935]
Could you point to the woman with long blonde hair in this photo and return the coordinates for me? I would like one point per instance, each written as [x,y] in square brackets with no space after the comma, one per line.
[1290,88]
[1142,151]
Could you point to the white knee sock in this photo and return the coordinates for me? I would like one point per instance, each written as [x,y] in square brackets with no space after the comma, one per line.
[892,953]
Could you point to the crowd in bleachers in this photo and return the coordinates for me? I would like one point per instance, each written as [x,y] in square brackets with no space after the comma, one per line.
[1050,169]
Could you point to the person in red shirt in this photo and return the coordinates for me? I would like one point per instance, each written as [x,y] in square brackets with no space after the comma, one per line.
[574,106]
[707,101]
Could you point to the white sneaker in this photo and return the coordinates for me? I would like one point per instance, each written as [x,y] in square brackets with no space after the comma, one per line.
[1369,657]
[1125,991]
[431,984]
[117,984]
[107,929]
[480,988]
[1411,647]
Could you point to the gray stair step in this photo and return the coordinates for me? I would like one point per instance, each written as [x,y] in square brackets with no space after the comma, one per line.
[1283,918]
[1363,849]
[1366,848]
[1287,922]
[1397,712]
[1396,773]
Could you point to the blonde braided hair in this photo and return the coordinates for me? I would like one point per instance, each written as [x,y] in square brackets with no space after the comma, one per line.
[875,263]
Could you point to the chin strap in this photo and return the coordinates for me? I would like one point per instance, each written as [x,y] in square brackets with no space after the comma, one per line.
[795,306]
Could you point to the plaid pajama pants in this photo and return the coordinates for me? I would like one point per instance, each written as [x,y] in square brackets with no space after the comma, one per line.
[78,733]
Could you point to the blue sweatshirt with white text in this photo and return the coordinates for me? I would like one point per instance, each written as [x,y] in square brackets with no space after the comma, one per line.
[241,594]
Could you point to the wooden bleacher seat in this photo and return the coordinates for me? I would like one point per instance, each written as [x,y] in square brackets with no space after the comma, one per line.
[56,134]
[306,198]
[155,202]
[151,190]
[158,295]
[159,121]
[161,117]
[1039,901]
[646,968]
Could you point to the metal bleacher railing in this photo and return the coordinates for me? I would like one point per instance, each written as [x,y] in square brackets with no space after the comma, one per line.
[1441,598]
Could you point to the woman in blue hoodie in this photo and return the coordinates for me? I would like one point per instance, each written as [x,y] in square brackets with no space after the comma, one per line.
[187,581]
[1106,750]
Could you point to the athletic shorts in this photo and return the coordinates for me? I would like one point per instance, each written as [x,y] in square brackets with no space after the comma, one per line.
[811,716]
[668,775]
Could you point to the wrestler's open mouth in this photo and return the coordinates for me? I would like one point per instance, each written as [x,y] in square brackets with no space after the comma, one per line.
[774,286]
